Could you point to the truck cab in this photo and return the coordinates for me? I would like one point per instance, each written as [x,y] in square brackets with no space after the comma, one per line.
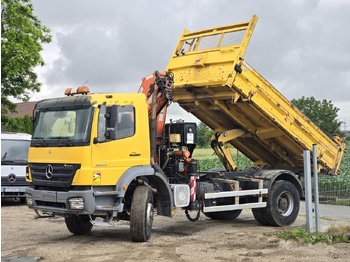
[14,162]
[88,154]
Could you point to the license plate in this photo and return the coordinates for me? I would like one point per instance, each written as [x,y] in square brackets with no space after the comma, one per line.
[12,189]
[50,197]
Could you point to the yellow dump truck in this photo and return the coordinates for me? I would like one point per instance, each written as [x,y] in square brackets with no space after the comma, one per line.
[98,158]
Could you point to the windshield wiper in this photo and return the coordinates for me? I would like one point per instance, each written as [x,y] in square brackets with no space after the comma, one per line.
[38,141]
[13,162]
[64,139]
[4,156]
[67,142]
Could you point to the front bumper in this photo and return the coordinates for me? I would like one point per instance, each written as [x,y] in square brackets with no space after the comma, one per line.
[58,202]
[13,191]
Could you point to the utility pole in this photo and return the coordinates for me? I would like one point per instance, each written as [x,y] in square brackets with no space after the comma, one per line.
[345,125]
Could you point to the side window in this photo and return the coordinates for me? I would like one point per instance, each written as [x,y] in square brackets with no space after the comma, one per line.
[125,125]
[101,129]
[115,122]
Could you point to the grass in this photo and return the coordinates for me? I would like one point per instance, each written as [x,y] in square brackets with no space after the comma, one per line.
[204,153]
[208,153]
[343,202]
[339,229]
[335,234]
[340,202]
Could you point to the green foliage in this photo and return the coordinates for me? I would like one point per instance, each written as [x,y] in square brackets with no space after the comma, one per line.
[338,186]
[347,138]
[206,164]
[322,113]
[313,238]
[20,124]
[241,161]
[22,36]
[204,134]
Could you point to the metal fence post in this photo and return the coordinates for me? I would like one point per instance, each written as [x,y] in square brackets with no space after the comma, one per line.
[308,192]
[316,194]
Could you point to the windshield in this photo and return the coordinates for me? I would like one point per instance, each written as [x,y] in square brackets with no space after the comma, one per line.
[14,151]
[64,127]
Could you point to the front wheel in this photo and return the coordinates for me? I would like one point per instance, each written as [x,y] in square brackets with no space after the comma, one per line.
[78,225]
[141,215]
[283,204]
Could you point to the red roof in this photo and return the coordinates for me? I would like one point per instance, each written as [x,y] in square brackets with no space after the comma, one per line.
[23,108]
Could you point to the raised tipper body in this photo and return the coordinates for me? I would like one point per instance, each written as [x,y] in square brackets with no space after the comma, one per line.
[214,82]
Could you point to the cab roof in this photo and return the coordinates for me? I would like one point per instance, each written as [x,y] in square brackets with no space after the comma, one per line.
[15,136]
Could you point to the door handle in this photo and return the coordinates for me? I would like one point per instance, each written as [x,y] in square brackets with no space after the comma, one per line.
[134,154]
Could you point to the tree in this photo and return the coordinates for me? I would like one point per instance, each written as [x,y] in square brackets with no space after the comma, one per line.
[20,124]
[204,134]
[22,36]
[322,113]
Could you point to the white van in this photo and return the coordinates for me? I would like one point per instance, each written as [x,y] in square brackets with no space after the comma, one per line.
[14,162]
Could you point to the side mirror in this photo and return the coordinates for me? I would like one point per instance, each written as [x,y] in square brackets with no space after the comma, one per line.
[113,117]
[111,132]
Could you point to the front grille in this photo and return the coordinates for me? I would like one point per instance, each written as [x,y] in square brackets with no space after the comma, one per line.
[50,204]
[61,177]
[20,181]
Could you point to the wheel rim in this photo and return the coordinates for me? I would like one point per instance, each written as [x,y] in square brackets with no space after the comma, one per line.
[149,215]
[285,204]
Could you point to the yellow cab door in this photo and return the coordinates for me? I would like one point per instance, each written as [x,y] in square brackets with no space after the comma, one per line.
[122,141]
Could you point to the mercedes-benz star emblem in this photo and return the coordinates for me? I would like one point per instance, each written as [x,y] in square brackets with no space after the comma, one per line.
[49,171]
[11,177]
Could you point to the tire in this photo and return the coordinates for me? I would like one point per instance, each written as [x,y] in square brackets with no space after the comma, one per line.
[259,215]
[141,214]
[224,215]
[283,204]
[78,225]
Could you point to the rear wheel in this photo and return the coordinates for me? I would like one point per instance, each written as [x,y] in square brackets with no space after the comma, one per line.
[283,204]
[259,215]
[224,215]
[141,215]
[78,225]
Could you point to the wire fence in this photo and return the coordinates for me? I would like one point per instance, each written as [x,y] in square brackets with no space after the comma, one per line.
[334,190]
[334,193]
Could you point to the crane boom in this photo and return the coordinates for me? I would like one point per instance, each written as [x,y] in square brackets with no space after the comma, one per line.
[157,88]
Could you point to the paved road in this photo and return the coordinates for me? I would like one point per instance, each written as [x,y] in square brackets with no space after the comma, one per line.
[332,212]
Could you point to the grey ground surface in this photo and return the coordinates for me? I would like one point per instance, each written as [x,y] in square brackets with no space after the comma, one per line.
[25,238]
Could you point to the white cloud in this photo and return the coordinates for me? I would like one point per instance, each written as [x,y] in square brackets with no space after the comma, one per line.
[301,47]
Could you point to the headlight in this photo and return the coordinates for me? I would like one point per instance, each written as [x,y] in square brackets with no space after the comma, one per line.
[28,179]
[29,199]
[181,195]
[76,203]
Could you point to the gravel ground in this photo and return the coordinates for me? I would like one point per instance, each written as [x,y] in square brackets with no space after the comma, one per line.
[26,238]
